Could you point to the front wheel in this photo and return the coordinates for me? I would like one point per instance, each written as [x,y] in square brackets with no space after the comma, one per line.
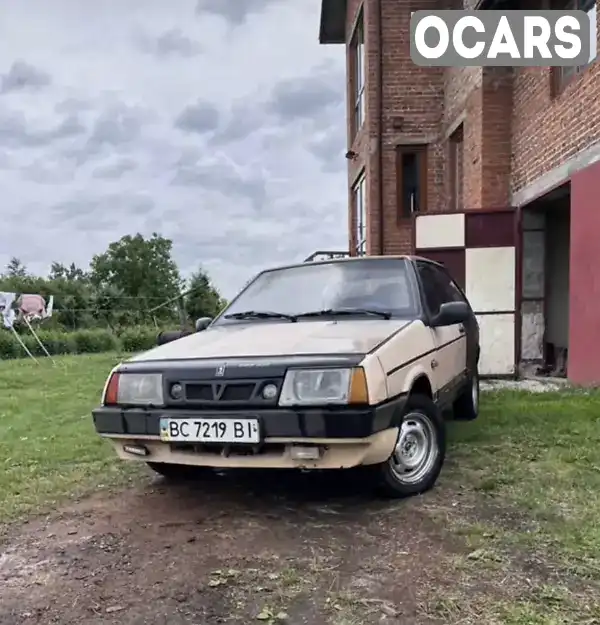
[419,453]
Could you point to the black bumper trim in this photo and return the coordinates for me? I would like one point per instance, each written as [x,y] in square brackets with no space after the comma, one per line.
[286,423]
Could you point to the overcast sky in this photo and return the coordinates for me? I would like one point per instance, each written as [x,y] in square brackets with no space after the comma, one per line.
[217,123]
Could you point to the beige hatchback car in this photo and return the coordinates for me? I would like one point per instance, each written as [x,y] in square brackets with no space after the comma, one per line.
[323,365]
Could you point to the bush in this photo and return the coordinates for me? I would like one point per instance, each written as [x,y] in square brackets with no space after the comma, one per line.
[95,341]
[57,342]
[138,339]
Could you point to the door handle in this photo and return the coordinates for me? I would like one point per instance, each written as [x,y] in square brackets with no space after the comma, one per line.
[461,329]
[434,363]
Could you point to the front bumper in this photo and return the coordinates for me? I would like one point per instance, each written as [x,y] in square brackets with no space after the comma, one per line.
[345,437]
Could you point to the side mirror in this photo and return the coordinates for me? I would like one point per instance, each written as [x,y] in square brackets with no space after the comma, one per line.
[203,323]
[171,335]
[451,313]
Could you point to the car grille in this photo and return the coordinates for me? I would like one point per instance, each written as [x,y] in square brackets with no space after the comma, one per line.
[229,393]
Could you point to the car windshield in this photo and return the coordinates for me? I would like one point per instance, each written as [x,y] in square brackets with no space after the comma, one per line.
[367,287]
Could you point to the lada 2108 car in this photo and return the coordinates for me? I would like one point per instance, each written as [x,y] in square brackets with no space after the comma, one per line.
[324,365]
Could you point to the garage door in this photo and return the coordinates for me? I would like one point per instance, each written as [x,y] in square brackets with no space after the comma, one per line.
[479,249]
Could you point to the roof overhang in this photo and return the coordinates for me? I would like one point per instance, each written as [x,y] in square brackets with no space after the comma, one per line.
[333,21]
[498,5]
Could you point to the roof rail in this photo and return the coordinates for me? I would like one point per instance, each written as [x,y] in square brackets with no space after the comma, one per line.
[326,255]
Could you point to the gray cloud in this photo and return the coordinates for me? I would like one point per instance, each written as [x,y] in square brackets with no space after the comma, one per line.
[245,177]
[234,11]
[85,208]
[16,132]
[117,125]
[304,98]
[329,149]
[221,176]
[171,43]
[242,121]
[200,118]
[115,169]
[21,76]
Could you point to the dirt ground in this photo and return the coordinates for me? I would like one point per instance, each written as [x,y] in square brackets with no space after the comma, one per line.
[229,549]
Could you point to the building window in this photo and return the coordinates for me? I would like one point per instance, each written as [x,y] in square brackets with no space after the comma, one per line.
[360,212]
[411,179]
[562,76]
[455,161]
[357,48]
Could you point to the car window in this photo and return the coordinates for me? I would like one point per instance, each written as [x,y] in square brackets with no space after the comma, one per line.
[431,290]
[380,284]
[449,289]
[438,287]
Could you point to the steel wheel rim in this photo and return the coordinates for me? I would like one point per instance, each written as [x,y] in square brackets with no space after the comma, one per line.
[475,394]
[416,449]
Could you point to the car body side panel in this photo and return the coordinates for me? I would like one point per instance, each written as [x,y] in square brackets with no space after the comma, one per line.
[407,355]
[450,359]
[376,379]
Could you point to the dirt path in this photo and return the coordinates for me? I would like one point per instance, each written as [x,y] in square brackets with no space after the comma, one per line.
[273,548]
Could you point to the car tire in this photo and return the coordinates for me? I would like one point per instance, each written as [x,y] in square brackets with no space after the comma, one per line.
[174,472]
[422,443]
[466,405]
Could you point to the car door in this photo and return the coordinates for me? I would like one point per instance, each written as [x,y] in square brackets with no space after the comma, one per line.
[471,326]
[449,361]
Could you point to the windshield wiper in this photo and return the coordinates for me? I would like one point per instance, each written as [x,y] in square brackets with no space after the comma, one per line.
[259,314]
[335,312]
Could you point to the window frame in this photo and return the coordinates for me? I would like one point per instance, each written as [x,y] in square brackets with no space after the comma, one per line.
[357,50]
[456,146]
[359,207]
[421,152]
[442,289]
[562,77]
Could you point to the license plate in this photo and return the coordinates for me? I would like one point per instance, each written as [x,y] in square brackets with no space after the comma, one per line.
[209,430]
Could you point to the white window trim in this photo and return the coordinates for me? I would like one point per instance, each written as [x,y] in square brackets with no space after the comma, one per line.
[592,14]
[360,214]
[359,74]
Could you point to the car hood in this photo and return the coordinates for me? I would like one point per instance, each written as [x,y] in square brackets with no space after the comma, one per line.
[278,339]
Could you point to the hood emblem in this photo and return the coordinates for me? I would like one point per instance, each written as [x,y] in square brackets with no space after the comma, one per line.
[220,371]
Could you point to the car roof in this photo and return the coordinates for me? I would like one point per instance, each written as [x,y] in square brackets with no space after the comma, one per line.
[353,259]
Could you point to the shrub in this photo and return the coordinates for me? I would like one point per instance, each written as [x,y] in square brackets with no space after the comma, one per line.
[91,341]
[138,339]
[95,341]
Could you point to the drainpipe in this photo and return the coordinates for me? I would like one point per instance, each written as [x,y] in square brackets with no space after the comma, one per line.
[379,14]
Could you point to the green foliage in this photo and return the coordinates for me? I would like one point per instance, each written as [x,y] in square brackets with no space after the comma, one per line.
[203,299]
[140,269]
[90,341]
[138,339]
[119,292]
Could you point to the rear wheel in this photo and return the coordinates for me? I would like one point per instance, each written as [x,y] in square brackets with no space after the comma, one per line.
[466,406]
[418,456]
[174,472]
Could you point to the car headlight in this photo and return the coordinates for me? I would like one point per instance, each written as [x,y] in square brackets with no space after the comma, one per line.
[324,386]
[137,389]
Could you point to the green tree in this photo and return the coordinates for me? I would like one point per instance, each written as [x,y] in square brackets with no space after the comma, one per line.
[203,299]
[15,268]
[70,273]
[142,270]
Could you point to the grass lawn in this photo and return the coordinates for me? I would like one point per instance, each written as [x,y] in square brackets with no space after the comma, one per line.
[48,446]
[524,479]
[529,474]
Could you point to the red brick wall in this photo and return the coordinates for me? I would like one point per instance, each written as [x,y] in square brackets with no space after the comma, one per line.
[514,129]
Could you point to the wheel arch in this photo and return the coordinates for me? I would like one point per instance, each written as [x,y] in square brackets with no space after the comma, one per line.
[421,385]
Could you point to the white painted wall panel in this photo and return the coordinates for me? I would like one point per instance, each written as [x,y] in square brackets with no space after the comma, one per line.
[433,231]
[497,340]
[490,278]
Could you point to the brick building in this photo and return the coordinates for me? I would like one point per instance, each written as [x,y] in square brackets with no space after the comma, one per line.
[493,171]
